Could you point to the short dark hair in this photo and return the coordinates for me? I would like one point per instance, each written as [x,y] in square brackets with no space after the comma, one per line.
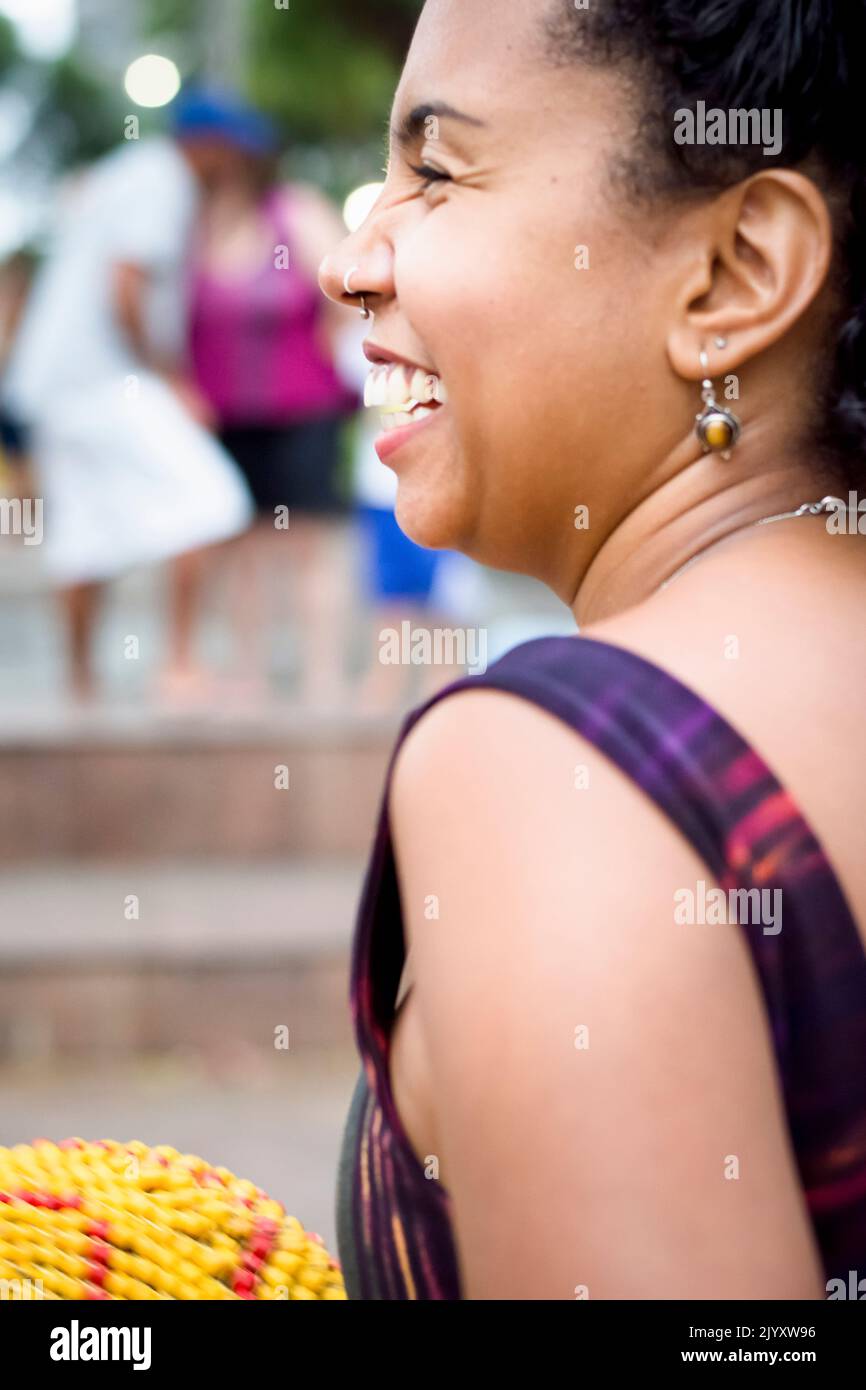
[800,56]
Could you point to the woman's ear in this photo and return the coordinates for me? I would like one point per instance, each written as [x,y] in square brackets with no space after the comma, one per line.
[768,249]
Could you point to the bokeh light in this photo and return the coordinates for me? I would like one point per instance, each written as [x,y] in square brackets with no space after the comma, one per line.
[359,204]
[152,80]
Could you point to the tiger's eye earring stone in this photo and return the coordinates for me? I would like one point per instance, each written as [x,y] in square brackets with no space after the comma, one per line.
[716,432]
[717,428]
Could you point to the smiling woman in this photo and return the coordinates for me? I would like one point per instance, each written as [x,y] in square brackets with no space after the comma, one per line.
[578,1091]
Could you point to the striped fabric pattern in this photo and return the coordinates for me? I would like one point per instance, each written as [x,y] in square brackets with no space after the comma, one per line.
[394,1223]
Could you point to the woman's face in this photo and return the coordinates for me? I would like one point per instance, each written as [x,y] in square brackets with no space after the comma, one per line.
[520,276]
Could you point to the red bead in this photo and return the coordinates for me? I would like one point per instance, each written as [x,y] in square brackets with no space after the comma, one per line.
[95,1273]
[98,1230]
[242,1281]
[99,1251]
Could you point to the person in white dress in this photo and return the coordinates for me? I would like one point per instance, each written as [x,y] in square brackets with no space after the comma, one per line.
[129,473]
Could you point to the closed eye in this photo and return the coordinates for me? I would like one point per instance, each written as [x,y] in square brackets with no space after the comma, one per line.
[429,174]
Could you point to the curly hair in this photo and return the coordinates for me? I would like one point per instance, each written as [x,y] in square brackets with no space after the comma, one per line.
[798,56]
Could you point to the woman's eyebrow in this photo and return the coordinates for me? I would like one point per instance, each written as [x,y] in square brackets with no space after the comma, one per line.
[414,122]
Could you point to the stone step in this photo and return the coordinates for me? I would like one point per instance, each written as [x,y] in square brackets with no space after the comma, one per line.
[117,785]
[220,960]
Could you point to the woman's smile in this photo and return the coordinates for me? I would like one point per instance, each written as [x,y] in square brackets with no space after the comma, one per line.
[400,427]
[407,397]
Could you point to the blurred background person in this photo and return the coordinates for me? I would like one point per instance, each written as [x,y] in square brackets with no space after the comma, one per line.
[16,278]
[97,375]
[262,349]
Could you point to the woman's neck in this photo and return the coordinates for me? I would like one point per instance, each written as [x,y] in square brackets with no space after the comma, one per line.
[700,507]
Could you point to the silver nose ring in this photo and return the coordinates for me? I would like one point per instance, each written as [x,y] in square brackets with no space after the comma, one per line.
[353,294]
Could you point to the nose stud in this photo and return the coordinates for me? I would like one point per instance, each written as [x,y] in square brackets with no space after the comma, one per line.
[354,294]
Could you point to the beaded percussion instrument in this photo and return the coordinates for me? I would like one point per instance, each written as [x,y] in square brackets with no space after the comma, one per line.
[127,1221]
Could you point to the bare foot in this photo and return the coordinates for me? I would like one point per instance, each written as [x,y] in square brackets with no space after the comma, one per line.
[82,688]
[245,694]
[185,688]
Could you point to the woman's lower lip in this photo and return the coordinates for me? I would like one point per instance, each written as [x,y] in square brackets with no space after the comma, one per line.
[390,441]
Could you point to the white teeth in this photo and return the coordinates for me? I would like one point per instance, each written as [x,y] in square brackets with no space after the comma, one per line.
[421,386]
[395,418]
[395,385]
[398,390]
[376,387]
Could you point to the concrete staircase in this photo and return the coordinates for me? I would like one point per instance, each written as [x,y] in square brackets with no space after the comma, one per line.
[245,888]
[221,960]
[111,785]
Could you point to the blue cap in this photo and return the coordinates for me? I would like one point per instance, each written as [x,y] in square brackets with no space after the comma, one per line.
[200,111]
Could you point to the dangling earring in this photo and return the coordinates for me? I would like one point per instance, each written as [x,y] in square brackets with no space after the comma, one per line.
[718,428]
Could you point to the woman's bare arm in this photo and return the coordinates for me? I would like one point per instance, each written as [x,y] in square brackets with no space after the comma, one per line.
[601,1074]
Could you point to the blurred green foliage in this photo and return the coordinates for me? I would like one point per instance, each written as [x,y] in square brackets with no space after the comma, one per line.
[324,69]
[175,16]
[8,46]
[79,117]
[328,68]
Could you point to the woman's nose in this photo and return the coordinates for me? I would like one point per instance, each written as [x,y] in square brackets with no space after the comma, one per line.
[355,268]
[331,282]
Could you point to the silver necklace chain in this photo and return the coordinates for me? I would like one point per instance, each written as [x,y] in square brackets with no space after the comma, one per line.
[827,504]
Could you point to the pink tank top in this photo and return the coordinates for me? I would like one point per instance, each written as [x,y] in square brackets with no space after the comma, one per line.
[253,341]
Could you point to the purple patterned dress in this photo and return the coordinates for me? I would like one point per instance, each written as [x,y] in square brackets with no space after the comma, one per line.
[394,1230]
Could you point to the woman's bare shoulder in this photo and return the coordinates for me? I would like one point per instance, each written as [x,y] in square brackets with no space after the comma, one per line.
[486,774]
[558,998]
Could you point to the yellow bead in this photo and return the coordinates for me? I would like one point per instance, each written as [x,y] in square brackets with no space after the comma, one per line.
[718,434]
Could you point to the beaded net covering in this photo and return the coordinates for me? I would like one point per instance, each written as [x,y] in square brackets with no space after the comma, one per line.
[126,1221]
